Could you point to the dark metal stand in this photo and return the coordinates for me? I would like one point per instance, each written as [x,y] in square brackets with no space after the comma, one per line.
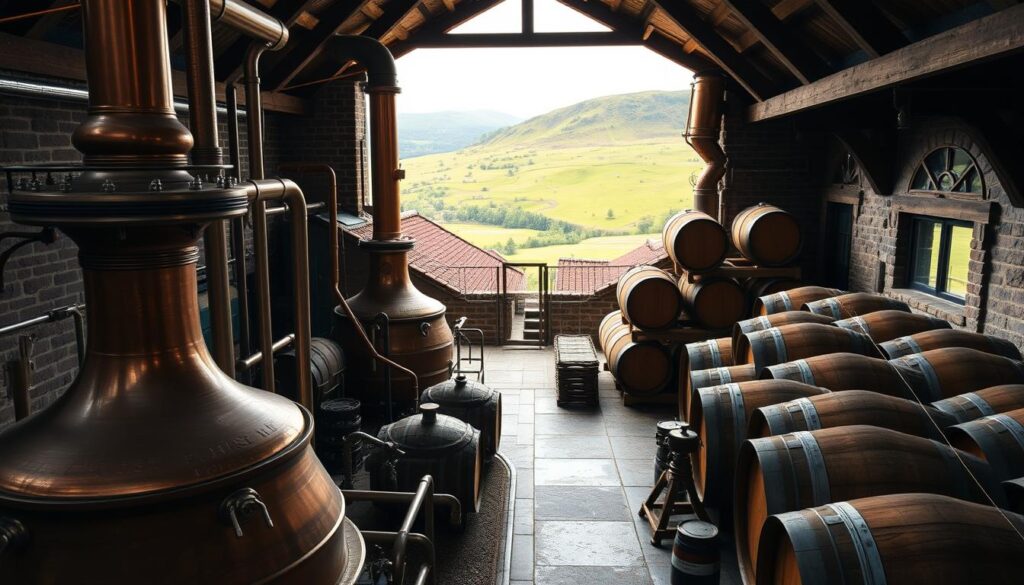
[460,331]
[677,483]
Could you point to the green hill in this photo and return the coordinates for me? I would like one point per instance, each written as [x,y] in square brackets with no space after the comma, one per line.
[609,166]
[422,134]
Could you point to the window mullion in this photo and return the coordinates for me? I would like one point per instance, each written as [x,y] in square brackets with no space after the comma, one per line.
[944,246]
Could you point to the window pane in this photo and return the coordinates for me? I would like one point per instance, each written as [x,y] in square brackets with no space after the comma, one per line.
[959,255]
[971,184]
[936,161]
[927,235]
[921,180]
[960,162]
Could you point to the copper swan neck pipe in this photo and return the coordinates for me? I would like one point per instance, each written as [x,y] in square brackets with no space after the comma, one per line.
[703,127]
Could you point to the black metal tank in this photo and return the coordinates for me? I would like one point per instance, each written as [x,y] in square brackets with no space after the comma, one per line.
[337,418]
[664,454]
[435,444]
[473,403]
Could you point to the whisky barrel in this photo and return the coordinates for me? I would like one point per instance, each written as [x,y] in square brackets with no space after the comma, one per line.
[854,305]
[641,367]
[997,438]
[786,343]
[882,326]
[974,405]
[610,322]
[898,539]
[648,298]
[759,287]
[695,241]
[715,303]
[851,371]
[697,379]
[1014,490]
[830,465]
[719,415]
[940,338]
[760,323]
[792,300]
[850,407]
[954,370]
[712,353]
[767,235]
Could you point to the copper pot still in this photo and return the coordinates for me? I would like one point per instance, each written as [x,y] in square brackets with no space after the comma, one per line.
[155,466]
[418,336]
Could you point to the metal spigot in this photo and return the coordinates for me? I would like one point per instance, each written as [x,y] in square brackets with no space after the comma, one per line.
[156,185]
[196,183]
[13,534]
[240,504]
[108,186]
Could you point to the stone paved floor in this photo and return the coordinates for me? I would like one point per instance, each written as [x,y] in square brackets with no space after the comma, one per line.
[582,475]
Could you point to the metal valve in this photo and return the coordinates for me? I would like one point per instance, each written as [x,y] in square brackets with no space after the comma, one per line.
[13,534]
[240,504]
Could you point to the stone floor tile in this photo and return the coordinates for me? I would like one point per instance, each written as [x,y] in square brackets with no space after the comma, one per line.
[580,503]
[572,447]
[525,414]
[522,557]
[537,377]
[636,472]
[523,521]
[510,406]
[588,543]
[592,576]
[520,455]
[629,428]
[524,434]
[546,405]
[569,424]
[524,483]
[505,378]
[633,447]
[592,472]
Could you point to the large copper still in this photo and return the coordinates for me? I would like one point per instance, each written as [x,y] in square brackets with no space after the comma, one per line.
[155,466]
[416,334]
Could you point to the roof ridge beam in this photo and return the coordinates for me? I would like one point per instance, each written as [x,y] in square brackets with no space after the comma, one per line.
[865,24]
[784,42]
[310,43]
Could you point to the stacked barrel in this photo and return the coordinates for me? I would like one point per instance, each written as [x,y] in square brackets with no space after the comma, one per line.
[700,299]
[851,440]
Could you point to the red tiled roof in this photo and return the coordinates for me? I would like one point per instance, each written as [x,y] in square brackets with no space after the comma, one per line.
[587,276]
[448,259]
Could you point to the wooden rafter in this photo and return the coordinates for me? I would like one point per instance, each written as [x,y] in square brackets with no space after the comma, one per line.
[307,44]
[736,65]
[442,23]
[511,40]
[784,10]
[229,62]
[782,40]
[865,24]
[990,37]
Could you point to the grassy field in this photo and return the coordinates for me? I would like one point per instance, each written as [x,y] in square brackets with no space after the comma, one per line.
[488,236]
[608,187]
[604,248]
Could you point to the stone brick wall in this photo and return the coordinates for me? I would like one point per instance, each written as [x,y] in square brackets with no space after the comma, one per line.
[581,314]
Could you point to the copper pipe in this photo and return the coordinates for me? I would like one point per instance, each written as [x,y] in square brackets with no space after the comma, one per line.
[251,21]
[334,245]
[238,224]
[703,127]
[254,359]
[387,212]
[202,103]
[26,15]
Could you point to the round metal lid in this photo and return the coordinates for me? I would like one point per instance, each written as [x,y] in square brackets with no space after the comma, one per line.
[667,426]
[429,431]
[698,529]
[459,391]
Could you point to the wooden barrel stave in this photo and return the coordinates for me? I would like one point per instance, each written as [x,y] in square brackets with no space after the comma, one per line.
[998,439]
[903,539]
[642,367]
[786,343]
[807,469]
[792,300]
[992,400]
[850,371]
[951,371]
[697,379]
[648,298]
[719,415]
[854,305]
[711,353]
[888,324]
[940,338]
[695,241]
[762,322]
[715,303]
[767,235]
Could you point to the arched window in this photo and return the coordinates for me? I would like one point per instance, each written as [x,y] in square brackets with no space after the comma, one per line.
[948,169]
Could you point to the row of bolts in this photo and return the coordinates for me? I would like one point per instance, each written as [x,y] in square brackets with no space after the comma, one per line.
[109,186]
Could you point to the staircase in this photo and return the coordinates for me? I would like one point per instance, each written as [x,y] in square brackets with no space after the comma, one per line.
[532,329]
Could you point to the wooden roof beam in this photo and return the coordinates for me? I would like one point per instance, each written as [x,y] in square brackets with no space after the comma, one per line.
[309,44]
[441,24]
[736,65]
[229,62]
[783,41]
[394,13]
[536,39]
[990,37]
[865,24]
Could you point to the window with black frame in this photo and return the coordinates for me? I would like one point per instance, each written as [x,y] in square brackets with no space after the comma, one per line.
[940,252]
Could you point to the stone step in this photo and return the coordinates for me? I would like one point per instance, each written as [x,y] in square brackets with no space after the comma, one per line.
[532,313]
[531,324]
[531,333]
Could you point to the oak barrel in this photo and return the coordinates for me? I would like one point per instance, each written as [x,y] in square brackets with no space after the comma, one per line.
[610,322]
[641,367]
[850,407]
[854,305]
[759,287]
[806,469]
[940,338]
[898,539]
[786,343]
[695,241]
[648,297]
[767,235]
[697,379]
[695,557]
[762,322]
[719,415]
[712,353]
[954,370]
[715,303]
[851,371]
[792,300]
[974,405]
[882,326]
[997,438]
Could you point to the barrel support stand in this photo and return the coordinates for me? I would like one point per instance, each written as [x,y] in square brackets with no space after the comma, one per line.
[677,483]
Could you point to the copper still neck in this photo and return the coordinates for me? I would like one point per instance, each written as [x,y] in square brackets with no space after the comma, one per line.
[703,128]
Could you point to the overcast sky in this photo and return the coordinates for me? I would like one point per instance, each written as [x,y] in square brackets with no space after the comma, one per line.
[529,82]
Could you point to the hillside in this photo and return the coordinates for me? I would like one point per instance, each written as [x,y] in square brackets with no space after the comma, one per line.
[422,134]
[652,116]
